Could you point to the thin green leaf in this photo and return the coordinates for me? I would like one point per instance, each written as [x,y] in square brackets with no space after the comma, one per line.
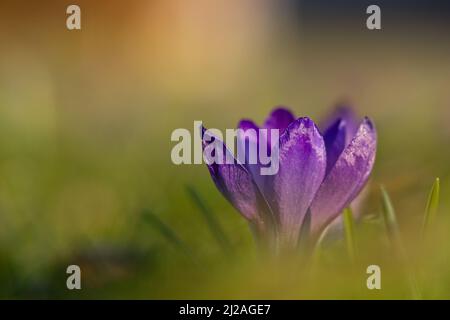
[210,219]
[317,250]
[393,231]
[166,232]
[349,226]
[390,217]
[304,243]
[432,205]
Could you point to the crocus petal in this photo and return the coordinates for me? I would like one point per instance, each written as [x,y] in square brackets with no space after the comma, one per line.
[246,124]
[247,139]
[249,143]
[348,116]
[235,183]
[302,161]
[346,178]
[334,138]
[280,118]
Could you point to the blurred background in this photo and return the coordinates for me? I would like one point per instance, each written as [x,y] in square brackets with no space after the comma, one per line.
[86,117]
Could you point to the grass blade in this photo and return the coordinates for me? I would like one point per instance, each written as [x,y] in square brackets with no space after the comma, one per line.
[317,248]
[210,219]
[349,227]
[166,232]
[432,205]
[390,217]
[304,240]
[393,230]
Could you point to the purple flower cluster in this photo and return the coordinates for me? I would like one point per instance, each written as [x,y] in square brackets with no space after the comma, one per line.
[321,171]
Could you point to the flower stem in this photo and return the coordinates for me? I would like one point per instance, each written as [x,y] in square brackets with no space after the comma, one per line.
[349,226]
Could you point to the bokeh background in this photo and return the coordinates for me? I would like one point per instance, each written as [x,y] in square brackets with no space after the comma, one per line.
[86,117]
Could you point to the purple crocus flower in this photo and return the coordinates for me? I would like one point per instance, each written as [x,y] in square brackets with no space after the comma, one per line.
[320,173]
